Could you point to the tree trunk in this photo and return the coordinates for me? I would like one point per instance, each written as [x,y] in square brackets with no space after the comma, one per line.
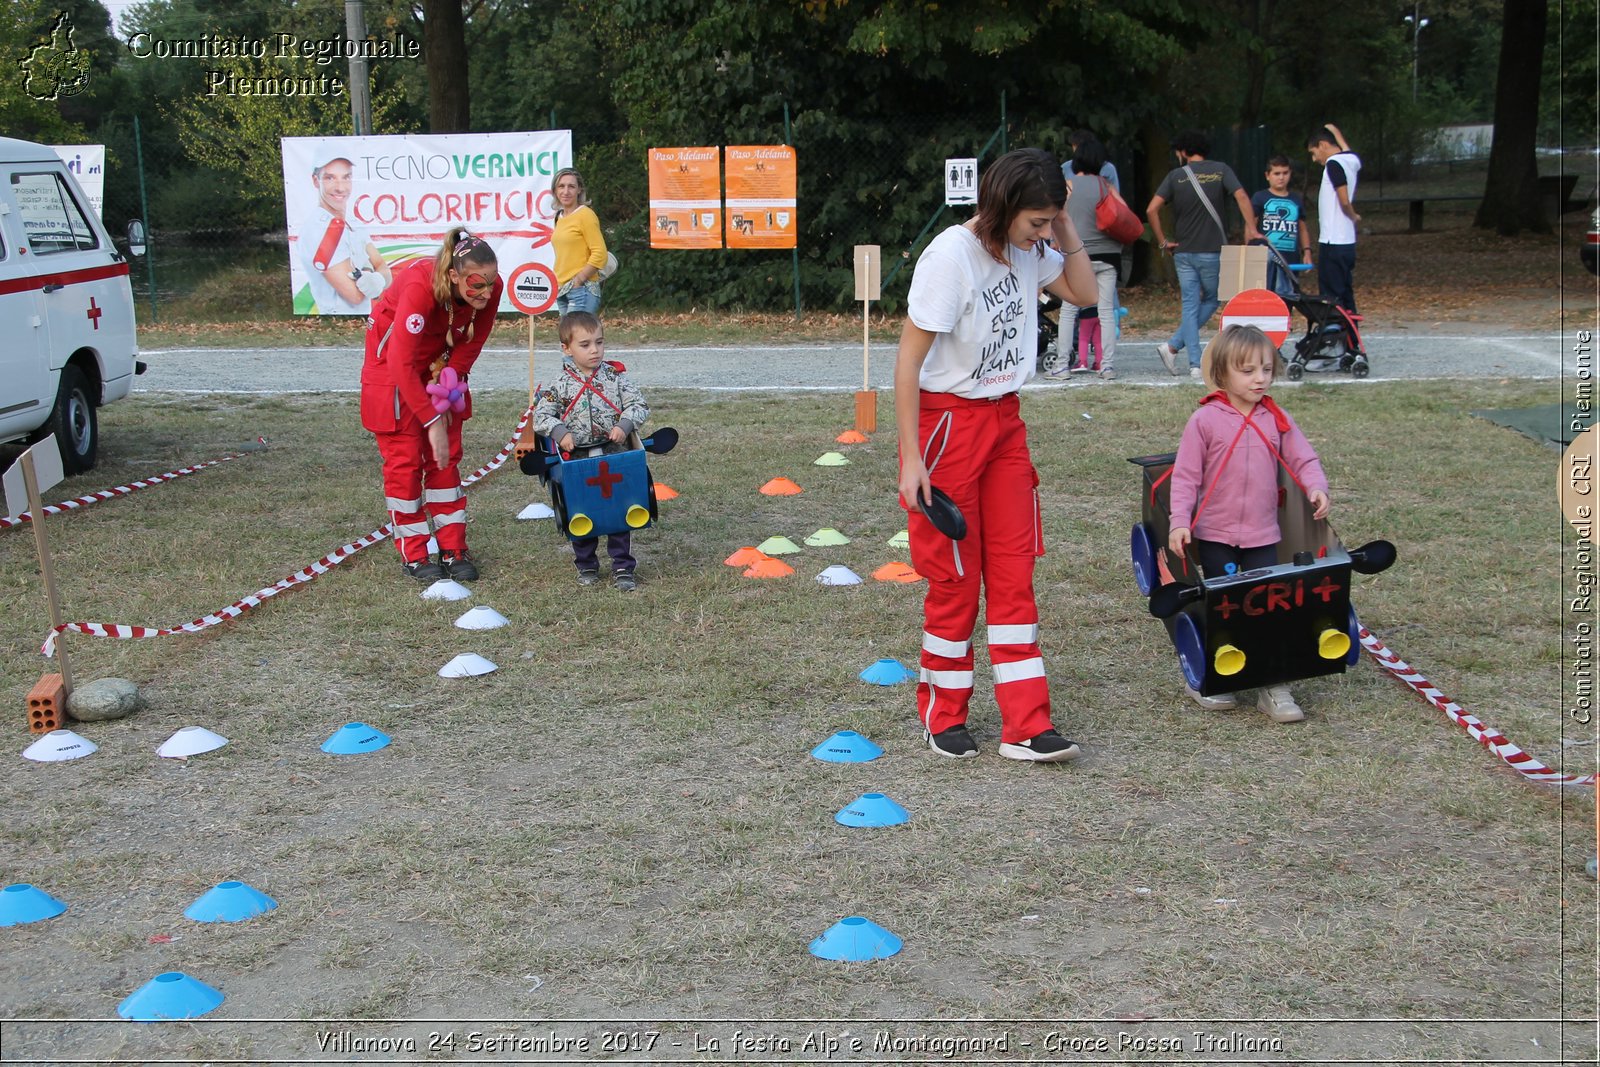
[444,51]
[1511,198]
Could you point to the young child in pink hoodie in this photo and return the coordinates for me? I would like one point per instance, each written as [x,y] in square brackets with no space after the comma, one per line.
[1225,480]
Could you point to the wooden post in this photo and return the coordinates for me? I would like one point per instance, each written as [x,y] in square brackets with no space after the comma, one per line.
[868,289]
[36,508]
[525,443]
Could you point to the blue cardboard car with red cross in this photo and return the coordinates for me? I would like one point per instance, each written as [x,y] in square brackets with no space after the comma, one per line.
[594,492]
[1263,627]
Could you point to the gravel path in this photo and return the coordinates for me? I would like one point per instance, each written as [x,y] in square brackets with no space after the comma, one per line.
[1420,354]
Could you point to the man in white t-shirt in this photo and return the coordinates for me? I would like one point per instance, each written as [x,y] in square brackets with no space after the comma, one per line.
[1336,216]
[344,268]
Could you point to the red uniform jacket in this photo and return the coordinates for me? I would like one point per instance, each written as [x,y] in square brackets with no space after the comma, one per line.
[405,334]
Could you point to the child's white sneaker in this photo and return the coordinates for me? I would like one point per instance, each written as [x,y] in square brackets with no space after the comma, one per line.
[1222,702]
[1278,703]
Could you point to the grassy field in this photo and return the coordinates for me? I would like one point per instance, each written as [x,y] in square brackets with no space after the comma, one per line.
[623,821]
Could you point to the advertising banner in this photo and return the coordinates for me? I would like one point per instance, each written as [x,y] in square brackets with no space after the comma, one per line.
[685,197]
[761,196]
[360,208]
[87,162]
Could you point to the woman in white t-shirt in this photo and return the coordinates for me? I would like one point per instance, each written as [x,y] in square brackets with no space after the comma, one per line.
[968,346]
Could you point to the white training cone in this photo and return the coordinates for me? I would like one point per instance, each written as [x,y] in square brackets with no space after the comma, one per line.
[190,741]
[58,745]
[537,511]
[445,589]
[839,574]
[466,665]
[482,617]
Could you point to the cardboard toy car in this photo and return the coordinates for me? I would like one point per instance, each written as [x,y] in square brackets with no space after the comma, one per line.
[595,492]
[1254,628]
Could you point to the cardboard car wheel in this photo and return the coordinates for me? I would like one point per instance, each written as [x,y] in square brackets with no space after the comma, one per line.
[1142,549]
[1353,657]
[1191,646]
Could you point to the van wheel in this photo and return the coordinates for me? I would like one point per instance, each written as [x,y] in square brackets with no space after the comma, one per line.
[74,423]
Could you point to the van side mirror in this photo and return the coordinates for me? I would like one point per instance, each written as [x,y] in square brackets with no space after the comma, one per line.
[136,238]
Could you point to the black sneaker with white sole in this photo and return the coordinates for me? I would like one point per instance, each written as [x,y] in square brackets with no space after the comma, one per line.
[955,742]
[588,577]
[424,570]
[459,565]
[1048,747]
[624,582]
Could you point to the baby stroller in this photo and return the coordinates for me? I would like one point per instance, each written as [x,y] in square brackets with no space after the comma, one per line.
[1331,331]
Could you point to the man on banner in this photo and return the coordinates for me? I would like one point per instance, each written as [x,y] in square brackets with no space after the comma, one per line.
[345,269]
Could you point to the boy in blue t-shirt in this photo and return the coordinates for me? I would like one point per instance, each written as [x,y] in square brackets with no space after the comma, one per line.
[1282,218]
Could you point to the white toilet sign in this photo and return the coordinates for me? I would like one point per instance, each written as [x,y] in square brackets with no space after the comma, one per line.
[960,181]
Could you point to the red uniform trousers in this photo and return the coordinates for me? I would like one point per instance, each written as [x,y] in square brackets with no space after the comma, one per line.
[977,452]
[416,491]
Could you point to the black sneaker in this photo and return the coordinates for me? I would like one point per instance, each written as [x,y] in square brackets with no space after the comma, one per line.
[954,742]
[1048,747]
[459,565]
[588,577]
[424,570]
[624,581]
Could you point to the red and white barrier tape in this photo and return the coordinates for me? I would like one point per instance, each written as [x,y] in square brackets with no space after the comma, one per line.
[1485,735]
[9,521]
[300,577]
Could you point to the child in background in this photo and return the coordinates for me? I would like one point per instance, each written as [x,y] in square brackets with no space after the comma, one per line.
[1281,216]
[592,404]
[1225,480]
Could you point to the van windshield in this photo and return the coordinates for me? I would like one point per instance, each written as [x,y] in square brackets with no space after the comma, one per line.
[51,218]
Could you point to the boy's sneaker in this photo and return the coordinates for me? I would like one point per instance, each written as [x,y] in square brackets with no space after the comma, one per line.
[624,581]
[588,577]
[1222,702]
[1048,747]
[954,742]
[1060,370]
[1169,358]
[424,570]
[1194,374]
[1108,375]
[1278,703]
[459,565]
[1081,368]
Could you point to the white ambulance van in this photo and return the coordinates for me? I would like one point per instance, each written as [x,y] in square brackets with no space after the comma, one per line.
[67,341]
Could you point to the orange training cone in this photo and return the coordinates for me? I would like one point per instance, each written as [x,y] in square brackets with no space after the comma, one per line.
[767,567]
[780,487]
[896,572]
[745,556]
[851,437]
[665,492]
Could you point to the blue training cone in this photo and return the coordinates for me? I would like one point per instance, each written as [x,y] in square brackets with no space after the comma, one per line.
[173,995]
[886,672]
[23,903]
[354,737]
[872,809]
[847,746]
[229,902]
[855,938]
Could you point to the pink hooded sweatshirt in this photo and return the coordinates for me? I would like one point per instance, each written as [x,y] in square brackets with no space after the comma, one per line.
[1240,491]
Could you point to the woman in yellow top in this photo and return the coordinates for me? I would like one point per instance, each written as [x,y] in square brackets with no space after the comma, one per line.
[579,247]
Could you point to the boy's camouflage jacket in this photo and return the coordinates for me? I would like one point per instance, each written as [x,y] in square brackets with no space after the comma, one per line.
[589,408]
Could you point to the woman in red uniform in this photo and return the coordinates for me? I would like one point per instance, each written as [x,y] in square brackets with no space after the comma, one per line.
[437,313]
[969,344]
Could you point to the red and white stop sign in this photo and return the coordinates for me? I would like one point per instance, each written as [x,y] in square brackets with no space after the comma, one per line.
[532,288]
[1261,308]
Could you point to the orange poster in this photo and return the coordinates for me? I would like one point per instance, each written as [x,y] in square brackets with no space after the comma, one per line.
[685,197]
[761,196]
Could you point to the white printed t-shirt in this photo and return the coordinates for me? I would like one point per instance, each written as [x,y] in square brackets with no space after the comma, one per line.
[984,314]
[351,244]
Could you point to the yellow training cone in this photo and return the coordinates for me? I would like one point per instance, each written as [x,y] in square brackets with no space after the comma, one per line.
[637,516]
[831,459]
[1228,660]
[580,525]
[900,540]
[1333,644]
[827,536]
[777,545]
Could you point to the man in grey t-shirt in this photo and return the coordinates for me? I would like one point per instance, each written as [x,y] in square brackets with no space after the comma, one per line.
[1197,253]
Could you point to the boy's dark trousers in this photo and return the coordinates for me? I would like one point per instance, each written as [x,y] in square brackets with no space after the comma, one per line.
[1336,267]
[618,546]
